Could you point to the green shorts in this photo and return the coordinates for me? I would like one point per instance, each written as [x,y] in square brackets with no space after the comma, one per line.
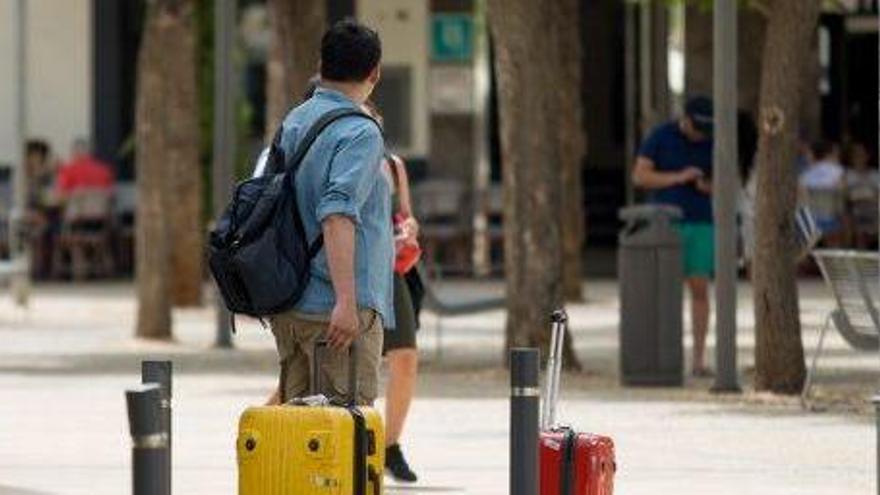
[697,249]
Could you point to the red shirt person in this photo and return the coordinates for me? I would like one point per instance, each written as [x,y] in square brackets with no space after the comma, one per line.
[83,171]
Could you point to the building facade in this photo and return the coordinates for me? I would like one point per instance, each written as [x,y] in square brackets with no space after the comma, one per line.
[79,72]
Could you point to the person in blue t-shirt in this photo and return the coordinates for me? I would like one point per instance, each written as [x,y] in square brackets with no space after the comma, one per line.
[675,165]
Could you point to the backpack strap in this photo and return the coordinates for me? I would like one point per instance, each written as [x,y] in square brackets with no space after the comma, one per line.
[291,166]
[275,159]
[281,163]
[395,174]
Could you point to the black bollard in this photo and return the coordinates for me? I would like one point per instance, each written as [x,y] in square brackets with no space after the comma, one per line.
[159,372]
[149,451]
[524,402]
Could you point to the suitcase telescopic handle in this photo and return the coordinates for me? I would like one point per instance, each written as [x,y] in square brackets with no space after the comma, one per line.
[315,382]
[559,316]
[559,322]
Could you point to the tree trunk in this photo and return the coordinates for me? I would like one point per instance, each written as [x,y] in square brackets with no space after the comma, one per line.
[531,171]
[572,142]
[779,353]
[294,54]
[156,130]
[182,157]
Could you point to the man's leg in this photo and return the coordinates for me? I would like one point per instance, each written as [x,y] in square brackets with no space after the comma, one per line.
[334,364]
[294,363]
[699,289]
[698,248]
[369,355]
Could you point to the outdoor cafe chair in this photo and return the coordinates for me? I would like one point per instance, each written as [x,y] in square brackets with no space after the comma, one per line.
[853,277]
[443,213]
[85,234]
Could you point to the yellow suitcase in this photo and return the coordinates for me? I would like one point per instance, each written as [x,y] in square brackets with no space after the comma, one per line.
[298,449]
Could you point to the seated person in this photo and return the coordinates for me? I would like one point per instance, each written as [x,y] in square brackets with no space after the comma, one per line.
[822,184]
[863,189]
[84,173]
[43,217]
[40,173]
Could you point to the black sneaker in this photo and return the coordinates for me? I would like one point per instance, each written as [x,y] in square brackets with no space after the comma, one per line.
[396,465]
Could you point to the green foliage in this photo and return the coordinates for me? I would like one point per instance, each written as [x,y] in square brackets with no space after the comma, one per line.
[204,19]
[204,32]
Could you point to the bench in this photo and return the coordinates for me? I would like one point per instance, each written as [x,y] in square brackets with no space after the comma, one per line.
[853,277]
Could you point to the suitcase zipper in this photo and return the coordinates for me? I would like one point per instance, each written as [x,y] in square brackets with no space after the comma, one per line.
[566,478]
[360,451]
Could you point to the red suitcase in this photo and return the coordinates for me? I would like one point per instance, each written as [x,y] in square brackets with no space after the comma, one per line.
[572,462]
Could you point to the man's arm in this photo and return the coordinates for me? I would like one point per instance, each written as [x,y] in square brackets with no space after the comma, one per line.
[339,245]
[646,176]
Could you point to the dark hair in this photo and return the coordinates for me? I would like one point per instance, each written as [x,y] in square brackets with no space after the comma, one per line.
[349,52]
[701,112]
[37,146]
[821,149]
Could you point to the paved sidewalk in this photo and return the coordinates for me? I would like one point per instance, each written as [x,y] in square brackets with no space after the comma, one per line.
[88,329]
[68,435]
[65,363]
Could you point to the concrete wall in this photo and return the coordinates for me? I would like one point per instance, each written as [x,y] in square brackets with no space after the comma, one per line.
[59,73]
[8,86]
[403,26]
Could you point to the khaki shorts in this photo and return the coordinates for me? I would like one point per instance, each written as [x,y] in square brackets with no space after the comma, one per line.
[295,337]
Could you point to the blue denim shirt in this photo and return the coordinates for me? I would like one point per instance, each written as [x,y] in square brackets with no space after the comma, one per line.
[342,175]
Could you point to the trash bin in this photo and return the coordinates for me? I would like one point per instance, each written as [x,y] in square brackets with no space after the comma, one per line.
[651,277]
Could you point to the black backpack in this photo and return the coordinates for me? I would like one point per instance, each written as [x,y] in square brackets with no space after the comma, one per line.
[258,251]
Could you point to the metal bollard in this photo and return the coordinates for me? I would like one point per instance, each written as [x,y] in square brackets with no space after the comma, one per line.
[524,402]
[159,372]
[149,451]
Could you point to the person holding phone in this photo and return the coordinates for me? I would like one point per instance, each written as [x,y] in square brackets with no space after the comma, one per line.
[674,164]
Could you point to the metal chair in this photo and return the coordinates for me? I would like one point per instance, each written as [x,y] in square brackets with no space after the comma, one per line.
[442,209]
[854,279]
[807,233]
[85,234]
[124,210]
[828,209]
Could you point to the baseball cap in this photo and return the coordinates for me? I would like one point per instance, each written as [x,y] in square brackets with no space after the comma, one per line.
[699,109]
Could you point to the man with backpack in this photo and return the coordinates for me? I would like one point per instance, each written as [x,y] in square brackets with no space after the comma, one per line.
[341,194]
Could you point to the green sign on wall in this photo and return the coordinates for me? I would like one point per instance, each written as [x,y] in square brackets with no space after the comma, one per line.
[452,37]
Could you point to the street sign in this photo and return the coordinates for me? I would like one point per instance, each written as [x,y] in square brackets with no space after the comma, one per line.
[452,89]
[452,37]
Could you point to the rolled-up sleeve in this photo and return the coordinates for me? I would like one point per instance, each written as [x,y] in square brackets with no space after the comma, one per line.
[650,149]
[352,173]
